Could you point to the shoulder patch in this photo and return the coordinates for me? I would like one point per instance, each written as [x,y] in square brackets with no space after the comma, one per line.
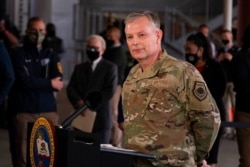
[59,67]
[200,90]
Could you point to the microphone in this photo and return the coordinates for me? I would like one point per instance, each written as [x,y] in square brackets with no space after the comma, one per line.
[92,101]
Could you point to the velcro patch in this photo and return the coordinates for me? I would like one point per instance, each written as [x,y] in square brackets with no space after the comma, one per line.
[200,90]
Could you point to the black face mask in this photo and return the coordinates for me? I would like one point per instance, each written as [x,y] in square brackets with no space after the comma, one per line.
[191,58]
[92,54]
[51,33]
[225,41]
[110,43]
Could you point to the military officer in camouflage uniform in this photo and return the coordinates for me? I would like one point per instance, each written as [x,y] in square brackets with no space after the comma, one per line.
[169,111]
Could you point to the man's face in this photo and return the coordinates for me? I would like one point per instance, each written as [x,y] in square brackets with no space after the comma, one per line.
[111,35]
[205,31]
[36,32]
[96,45]
[37,26]
[143,38]
[227,36]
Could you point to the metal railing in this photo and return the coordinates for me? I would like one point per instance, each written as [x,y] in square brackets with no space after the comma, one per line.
[177,22]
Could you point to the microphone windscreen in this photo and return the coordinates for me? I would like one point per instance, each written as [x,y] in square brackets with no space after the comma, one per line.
[93,100]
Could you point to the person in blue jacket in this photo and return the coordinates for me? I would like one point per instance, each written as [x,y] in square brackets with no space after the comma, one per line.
[38,73]
[7,74]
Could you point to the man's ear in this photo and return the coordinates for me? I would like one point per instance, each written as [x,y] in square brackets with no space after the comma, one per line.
[159,34]
[102,52]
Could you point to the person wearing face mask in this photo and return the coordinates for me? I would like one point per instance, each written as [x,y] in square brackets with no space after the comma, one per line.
[225,56]
[198,53]
[116,54]
[38,74]
[96,74]
[205,30]
[9,36]
[240,70]
[52,41]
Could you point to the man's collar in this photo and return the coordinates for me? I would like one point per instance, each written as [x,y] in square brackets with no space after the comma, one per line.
[97,60]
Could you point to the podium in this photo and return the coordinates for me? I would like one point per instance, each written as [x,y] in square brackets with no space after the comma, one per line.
[78,149]
[83,149]
[120,157]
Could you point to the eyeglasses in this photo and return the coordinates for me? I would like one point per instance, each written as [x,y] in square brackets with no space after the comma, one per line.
[93,48]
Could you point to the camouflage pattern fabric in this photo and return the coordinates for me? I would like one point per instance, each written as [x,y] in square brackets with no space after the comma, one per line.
[169,112]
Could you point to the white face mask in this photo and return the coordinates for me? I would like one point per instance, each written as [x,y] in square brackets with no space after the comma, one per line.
[36,37]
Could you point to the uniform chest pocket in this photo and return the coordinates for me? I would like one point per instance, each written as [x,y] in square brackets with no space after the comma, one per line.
[164,101]
[164,105]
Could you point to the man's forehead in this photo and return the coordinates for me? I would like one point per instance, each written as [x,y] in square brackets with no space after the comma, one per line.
[139,30]
[227,34]
[37,24]
[94,42]
[140,25]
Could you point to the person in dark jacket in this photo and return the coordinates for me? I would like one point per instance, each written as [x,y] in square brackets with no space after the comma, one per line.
[97,74]
[198,53]
[241,80]
[38,73]
[9,32]
[7,76]
[225,55]
[52,41]
[116,53]
[9,35]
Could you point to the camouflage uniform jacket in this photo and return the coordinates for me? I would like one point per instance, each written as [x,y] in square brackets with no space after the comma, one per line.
[169,112]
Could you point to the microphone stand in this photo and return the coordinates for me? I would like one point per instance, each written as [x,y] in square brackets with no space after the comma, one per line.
[66,123]
[92,101]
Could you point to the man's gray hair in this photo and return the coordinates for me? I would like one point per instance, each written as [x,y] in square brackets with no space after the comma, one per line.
[98,37]
[153,17]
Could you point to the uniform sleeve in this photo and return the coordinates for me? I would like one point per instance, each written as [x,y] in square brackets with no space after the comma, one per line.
[202,112]
[56,69]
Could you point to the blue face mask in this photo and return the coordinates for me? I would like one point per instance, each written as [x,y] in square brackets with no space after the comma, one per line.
[191,58]
[92,54]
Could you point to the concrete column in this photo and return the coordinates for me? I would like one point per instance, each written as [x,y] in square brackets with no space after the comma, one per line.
[227,16]
[243,18]
[41,8]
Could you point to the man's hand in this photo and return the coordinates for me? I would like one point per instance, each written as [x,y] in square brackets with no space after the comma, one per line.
[13,41]
[2,29]
[228,56]
[220,57]
[80,103]
[86,111]
[57,83]
[204,164]
[121,126]
[2,25]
